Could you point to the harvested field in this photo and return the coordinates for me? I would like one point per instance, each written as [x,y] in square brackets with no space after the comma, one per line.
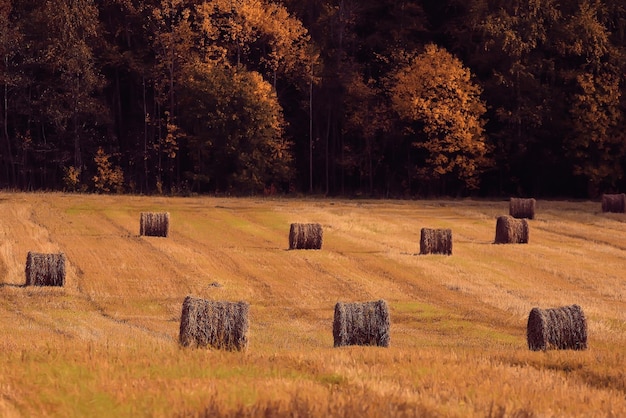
[107,343]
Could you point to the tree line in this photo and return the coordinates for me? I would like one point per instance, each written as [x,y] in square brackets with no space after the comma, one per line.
[370,97]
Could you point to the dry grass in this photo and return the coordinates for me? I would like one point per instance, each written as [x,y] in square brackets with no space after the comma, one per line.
[510,230]
[615,203]
[305,236]
[218,324]
[45,269]
[361,323]
[563,328]
[106,344]
[522,208]
[153,224]
[436,241]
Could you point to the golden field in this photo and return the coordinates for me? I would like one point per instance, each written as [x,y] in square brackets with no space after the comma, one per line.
[106,344]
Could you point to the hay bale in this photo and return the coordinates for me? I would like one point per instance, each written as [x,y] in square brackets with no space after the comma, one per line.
[615,203]
[153,224]
[45,269]
[522,208]
[305,236]
[510,230]
[436,241]
[563,328]
[365,323]
[221,325]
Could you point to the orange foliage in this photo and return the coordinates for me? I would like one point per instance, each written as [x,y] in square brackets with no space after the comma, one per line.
[436,95]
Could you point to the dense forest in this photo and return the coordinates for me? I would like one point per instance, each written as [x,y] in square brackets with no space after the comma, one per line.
[389,98]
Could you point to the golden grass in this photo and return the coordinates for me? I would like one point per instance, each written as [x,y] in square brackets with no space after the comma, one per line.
[106,344]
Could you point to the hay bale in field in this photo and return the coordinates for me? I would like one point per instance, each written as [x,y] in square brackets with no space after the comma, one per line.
[45,269]
[153,224]
[221,325]
[510,230]
[563,328]
[522,208]
[365,323]
[305,236]
[436,241]
[615,203]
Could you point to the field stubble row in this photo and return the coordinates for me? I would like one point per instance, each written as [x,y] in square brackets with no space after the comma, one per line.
[106,343]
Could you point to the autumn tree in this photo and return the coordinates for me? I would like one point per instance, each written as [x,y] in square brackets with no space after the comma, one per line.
[368,122]
[109,177]
[53,108]
[235,127]
[120,74]
[595,139]
[67,95]
[441,104]
[261,35]
[513,51]
[128,65]
[10,41]
[174,42]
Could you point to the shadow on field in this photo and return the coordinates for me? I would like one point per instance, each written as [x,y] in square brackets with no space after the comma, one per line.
[12,285]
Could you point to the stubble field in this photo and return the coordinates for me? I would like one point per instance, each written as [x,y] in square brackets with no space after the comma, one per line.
[106,344]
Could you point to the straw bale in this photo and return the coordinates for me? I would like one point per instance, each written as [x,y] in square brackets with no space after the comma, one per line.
[45,269]
[154,224]
[436,241]
[522,208]
[510,230]
[218,324]
[563,328]
[365,323]
[305,236]
[615,203]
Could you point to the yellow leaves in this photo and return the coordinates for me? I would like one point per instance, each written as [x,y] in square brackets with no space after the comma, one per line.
[71,178]
[584,34]
[435,92]
[520,27]
[108,178]
[597,140]
[259,27]
[169,145]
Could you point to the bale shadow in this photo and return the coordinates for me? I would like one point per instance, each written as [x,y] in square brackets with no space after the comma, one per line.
[12,285]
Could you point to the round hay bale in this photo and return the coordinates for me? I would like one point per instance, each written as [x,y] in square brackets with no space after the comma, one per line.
[563,328]
[154,224]
[305,236]
[45,269]
[510,230]
[365,323]
[615,203]
[436,241]
[218,324]
[522,208]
